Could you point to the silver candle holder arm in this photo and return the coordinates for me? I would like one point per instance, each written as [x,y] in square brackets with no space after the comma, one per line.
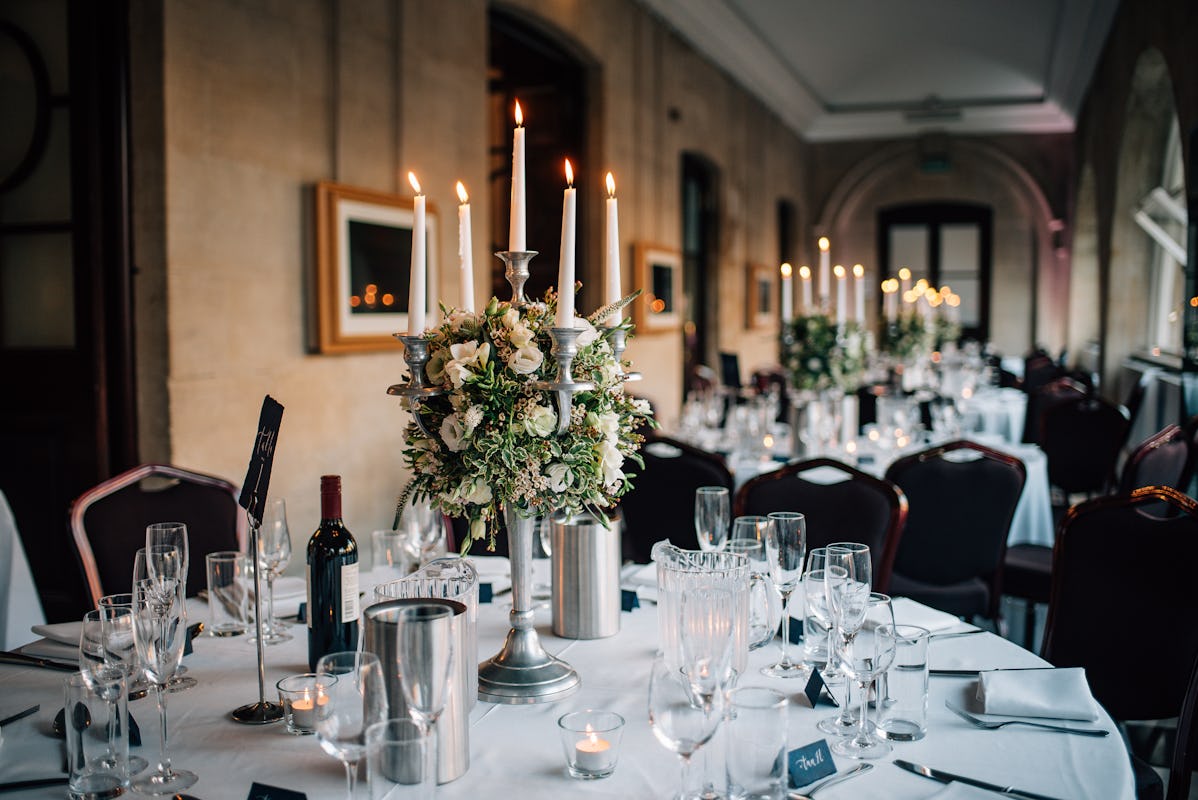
[565,347]
[516,272]
[617,339]
[417,389]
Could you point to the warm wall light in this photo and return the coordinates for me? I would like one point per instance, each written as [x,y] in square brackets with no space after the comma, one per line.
[786,270]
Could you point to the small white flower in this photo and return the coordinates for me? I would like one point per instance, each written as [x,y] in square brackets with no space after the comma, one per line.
[559,476]
[608,424]
[520,336]
[473,416]
[540,421]
[458,319]
[642,405]
[610,463]
[588,335]
[511,318]
[609,372]
[453,432]
[467,358]
[526,360]
[435,368]
[478,529]
[474,491]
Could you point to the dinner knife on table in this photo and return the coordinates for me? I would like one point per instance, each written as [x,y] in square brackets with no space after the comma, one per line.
[948,777]
[20,659]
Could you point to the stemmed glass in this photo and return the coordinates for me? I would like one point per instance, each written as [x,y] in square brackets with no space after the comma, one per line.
[848,601]
[274,554]
[712,512]
[425,648]
[171,534]
[120,651]
[705,640]
[101,676]
[786,546]
[678,719]
[167,563]
[351,696]
[748,539]
[868,656]
[159,631]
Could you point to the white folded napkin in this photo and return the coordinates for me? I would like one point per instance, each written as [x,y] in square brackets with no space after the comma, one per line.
[1054,693]
[48,648]
[290,587]
[911,612]
[65,632]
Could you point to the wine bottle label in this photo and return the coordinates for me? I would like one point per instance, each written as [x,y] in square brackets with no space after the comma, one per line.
[349,592]
[308,608]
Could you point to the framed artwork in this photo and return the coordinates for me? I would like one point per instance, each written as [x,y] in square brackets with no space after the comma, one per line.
[363,267]
[659,275]
[761,296]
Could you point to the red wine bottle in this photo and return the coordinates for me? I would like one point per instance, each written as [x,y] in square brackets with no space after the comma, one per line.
[332,579]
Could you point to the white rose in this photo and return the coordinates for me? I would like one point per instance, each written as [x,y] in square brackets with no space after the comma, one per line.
[608,423]
[540,421]
[475,491]
[511,318]
[520,336]
[610,463]
[609,372]
[453,432]
[526,360]
[559,476]
[588,335]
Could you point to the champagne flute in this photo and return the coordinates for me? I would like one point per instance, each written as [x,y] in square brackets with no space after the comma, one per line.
[167,563]
[168,534]
[425,652]
[120,651]
[274,554]
[679,722]
[712,512]
[786,546]
[868,656]
[160,630]
[848,601]
[705,640]
[350,697]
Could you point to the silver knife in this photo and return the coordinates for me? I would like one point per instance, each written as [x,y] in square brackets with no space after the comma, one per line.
[19,715]
[948,777]
[31,661]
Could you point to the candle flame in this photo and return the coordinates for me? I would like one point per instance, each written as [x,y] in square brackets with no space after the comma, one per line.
[858,271]
[519,116]
[611,185]
[824,244]
[838,271]
[905,274]
[954,300]
[569,173]
[590,733]
[945,291]
[415,183]
[930,293]
[465,198]
[805,272]
[787,269]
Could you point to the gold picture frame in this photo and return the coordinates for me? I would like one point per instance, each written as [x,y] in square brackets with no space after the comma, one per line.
[659,276]
[761,296]
[363,267]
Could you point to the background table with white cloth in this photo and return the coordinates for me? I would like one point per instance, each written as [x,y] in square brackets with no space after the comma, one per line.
[515,751]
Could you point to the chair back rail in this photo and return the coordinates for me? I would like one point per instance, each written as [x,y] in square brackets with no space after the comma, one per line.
[1163,459]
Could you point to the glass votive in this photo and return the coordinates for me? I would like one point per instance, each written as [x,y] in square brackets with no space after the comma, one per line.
[591,742]
[299,696]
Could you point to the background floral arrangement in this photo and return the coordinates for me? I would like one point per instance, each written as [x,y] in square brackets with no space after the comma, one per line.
[495,439]
[818,354]
[907,337]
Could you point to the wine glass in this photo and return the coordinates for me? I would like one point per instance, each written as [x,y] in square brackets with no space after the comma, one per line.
[786,546]
[869,655]
[159,631]
[162,569]
[848,601]
[167,563]
[764,606]
[705,641]
[351,696]
[712,512]
[424,639]
[425,527]
[120,652]
[274,554]
[678,721]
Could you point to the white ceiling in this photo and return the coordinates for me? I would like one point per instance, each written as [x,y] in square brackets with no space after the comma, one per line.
[851,69]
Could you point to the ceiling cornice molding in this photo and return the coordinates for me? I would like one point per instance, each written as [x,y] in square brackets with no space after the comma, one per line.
[1026,118]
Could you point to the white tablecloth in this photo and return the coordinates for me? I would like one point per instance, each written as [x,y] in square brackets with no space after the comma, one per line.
[515,750]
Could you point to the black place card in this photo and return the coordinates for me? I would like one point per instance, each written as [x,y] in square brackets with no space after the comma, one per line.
[815,691]
[485,593]
[810,763]
[629,600]
[263,791]
[302,614]
[796,630]
[257,477]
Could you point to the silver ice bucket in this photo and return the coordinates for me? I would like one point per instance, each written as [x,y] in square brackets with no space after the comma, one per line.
[453,727]
[586,576]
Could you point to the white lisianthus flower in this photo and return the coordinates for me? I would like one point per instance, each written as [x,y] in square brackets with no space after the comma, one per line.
[435,368]
[559,476]
[474,491]
[511,318]
[526,360]
[467,358]
[609,372]
[540,421]
[608,424]
[611,461]
[453,431]
[588,335]
[520,336]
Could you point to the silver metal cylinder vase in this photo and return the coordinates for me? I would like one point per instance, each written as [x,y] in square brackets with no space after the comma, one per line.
[585,560]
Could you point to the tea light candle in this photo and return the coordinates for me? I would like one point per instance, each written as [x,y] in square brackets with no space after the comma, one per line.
[303,709]
[591,753]
[591,741]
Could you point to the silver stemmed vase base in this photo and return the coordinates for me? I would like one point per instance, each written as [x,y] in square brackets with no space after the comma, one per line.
[522,672]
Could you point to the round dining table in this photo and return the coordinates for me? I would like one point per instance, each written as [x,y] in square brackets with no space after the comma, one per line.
[516,751]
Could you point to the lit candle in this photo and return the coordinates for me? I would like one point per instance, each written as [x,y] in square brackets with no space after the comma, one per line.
[465,258]
[859,292]
[417,295]
[841,298]
[592,753]
[905,277]
[825,257]
[516,233]
[954,308]
[890,289]
[805,279]
[303,710]
[565,268]
[611,253]
[787,297]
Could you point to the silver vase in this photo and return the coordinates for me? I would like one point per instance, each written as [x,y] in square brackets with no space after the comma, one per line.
[522,672]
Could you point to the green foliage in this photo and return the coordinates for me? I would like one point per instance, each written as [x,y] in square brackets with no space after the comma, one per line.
[818,354]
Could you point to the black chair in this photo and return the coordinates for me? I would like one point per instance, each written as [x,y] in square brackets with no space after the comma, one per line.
[661,503]
[108,522]
[1045,397]
[1163,459]
[1185,748]
[852,505]
[1039,369]
[962,497]
[1081,439]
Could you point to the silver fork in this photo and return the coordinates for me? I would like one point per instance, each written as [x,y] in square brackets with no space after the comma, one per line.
[990,726]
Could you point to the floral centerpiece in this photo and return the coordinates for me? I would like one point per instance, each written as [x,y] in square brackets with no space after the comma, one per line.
[907,336]
[493,441]
[819,354]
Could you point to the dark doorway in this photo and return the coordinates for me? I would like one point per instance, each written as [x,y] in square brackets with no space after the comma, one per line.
[67,420]
[700,246]
[550,83]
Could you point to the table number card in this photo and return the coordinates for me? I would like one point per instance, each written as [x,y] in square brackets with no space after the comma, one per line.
[262,791]
[257,477]
[817,692]
[810,763]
